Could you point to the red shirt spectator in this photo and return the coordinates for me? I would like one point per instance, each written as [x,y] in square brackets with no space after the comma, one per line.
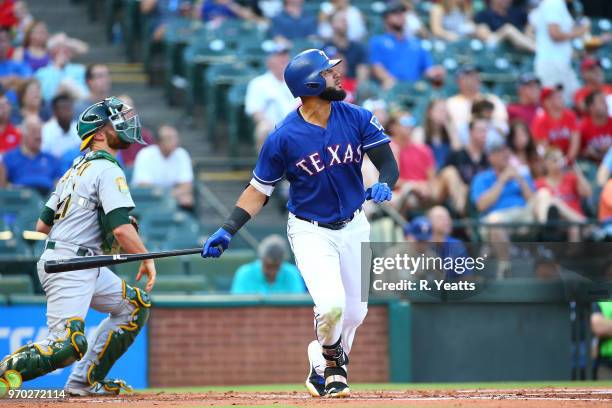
[593,77]
[555,125]
[10,136]
[596,128]
[529,99]
[7,14]
[129,155]
[416,162]
[566,190]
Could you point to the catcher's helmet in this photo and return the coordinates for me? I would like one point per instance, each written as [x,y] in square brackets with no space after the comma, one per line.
[303,73]
[124,119]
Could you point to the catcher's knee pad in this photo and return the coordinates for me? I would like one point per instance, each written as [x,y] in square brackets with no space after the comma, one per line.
[121,338]
[34,360]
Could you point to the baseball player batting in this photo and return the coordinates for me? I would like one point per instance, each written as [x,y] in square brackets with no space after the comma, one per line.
[86,213]
[319,149]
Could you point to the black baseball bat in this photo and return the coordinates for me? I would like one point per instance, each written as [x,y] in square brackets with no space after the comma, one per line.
[88,262]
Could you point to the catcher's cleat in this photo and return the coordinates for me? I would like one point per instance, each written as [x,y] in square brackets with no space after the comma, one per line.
[104,387]
[10,380]
[315,383]
[336,383]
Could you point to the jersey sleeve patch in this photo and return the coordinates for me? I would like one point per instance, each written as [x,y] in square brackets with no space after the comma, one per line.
[122,185]
[374,122]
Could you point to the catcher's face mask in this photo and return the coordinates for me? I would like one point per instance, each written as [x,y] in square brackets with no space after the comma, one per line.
[125,121]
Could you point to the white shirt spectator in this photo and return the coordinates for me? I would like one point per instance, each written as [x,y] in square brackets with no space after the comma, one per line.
[267,94]
[553,60]
[55,141]
[356,25]
[152,168]
[551,12]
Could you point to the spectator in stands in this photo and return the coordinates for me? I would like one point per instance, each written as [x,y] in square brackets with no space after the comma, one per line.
[10,136]
[27,165]
[445,245]
[34,52]
[500,21]
[605,169]
[417,165]
[395,57]
[268,99]
[2,174]
[556,125]
[596,128]
[564,189]
[30,102]
[160,11]
[216,11]
[414,26]
[593,78]
[24,19]
[451,20]
[166,165]
[355,54]
[62,73]
[471,159]
[129,155]
[8,16]
[554,31]
[99,84]
[484,109]
[601,325]
[529,90]
[604,212]
[354,24]
[59,134]
[438,131]
[293,23]
[525,157]
[460,105]
[12,73]
[270,274]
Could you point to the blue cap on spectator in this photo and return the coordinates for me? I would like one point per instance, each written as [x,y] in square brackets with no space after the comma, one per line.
[528,78]
[419,228]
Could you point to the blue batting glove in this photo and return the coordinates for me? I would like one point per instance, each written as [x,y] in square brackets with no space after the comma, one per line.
[379,192]
[216,244]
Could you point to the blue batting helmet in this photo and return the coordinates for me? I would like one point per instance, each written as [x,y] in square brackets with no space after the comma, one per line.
[303,73]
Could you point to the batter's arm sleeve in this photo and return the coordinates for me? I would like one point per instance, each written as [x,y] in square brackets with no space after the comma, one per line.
[384,161]
[270,167]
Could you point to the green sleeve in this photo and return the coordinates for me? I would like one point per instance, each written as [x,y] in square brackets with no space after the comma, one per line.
[117,217]
[47,215]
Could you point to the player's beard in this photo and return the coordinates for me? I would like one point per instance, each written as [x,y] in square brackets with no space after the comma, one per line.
[332,94]
[114,142]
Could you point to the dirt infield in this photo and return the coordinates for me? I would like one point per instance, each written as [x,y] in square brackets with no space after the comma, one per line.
[540,397]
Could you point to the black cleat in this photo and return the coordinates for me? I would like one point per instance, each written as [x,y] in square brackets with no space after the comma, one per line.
[315,384]
[336,383]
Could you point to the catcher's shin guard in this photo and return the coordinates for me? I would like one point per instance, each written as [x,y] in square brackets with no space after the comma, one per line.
[119,340]
[34,360]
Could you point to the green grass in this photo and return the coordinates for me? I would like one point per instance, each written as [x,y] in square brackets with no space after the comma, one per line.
[389,386]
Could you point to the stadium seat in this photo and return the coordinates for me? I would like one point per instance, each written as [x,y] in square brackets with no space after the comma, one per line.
[27,299]
[217,81]
[14,201]
[220,272]
[151,199]
[197,57]
[240,126]
[193,284]
[13,248]
[15,284]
